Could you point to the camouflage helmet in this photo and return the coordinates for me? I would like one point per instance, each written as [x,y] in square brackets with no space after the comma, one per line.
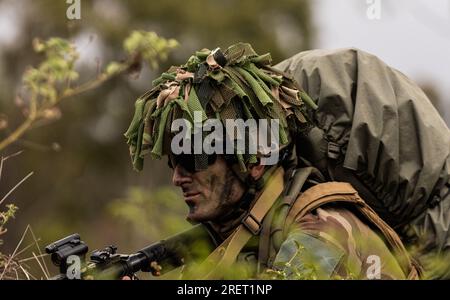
[231,84]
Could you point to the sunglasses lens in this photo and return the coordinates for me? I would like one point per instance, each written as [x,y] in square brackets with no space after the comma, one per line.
[187,161]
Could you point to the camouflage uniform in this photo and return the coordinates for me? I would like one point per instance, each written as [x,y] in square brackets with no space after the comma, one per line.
[337,244]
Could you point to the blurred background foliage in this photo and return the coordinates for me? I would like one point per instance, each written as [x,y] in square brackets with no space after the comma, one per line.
[83,181]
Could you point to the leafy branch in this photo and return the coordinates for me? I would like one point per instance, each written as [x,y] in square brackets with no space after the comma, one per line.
[48,84]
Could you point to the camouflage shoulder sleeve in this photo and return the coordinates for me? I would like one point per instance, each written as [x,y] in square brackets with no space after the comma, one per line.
[332,242]
[304,256]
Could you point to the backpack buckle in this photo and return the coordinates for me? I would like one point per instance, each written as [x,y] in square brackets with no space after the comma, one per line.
[251,223]
[334,150]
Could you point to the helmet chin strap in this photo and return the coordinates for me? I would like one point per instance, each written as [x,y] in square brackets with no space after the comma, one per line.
[228,222]
[253,186]
[231,219]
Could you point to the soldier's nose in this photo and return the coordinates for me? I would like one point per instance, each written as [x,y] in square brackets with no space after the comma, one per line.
[180,176]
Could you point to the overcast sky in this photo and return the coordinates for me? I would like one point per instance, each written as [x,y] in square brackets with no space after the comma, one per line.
[410,35]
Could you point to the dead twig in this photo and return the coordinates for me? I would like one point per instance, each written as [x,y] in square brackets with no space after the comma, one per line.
[46,272]
[40,265]
[16,186]
[3,159]
[14,253]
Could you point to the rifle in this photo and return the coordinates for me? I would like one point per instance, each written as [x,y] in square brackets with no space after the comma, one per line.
[188,246]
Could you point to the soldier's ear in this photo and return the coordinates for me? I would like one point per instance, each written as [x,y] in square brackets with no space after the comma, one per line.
[256,171]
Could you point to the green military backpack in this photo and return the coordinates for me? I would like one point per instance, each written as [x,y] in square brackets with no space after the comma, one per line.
[377,130]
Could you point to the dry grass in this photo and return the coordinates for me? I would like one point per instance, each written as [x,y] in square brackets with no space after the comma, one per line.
[15,266]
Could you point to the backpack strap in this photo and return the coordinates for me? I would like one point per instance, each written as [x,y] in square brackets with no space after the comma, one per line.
[271,236]
[342,192]
[226,253]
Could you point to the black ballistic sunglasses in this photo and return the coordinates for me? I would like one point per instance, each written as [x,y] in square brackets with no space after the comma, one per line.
[187,161]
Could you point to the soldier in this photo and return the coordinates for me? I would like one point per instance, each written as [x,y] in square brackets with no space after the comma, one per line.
[270,211]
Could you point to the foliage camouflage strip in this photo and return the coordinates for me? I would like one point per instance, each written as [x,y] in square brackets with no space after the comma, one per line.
[237,83]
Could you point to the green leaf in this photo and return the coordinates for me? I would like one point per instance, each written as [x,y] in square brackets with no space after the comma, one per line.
[113,68]
[149,46]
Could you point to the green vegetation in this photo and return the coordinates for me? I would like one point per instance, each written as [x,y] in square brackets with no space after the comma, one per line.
[47,85]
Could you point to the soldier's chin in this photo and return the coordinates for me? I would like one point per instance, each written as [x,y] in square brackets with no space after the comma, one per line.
[194,216]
